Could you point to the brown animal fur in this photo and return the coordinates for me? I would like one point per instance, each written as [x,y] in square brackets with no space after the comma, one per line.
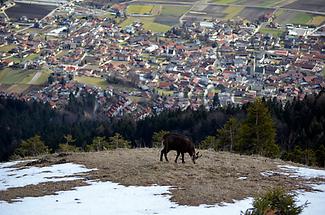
[179,143]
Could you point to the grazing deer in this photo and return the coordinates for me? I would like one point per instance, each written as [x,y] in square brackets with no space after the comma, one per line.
[179,143]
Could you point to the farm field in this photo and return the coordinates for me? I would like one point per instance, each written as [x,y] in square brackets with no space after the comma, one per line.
[9,76]
[163,92]
[311,5]
[217,11]
[317,20]
[300,18]
[92,81]
[31,11]
[16,88]
[171,10]
[201,12]
[168,1]
[169,15]
[259,3]
[229,9]
[19,81]
[148,24]
[7,48]
[143,9]
[252,14]
[232,11]
[276,32]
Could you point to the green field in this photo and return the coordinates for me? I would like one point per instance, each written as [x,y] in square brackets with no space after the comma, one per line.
[92,81]
[163,92]
[225,1]
[42,78]
[296,17]
[32,57]
[232,11]
[302,18]
[143,9]
[148,24]
[7,48]
[276,32]
[317,20]
[260,3]
[11,77]
[168,10]
[18,88]
[16,59]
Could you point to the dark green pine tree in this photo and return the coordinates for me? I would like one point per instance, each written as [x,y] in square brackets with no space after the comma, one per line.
[257,133]
[228,135]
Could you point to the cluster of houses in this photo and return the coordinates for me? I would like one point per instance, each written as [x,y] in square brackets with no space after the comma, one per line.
[209,64]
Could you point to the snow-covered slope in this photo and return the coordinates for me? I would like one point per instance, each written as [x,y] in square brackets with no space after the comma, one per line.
[111,198]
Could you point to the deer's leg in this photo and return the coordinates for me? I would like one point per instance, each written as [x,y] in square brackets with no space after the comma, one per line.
[178,153]
[166,155]
[161,154]
[183,157]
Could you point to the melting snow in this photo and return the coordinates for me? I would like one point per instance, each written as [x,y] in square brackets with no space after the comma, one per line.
[242,178]
[111,198]
[303,171]
[316,200]
[19,177]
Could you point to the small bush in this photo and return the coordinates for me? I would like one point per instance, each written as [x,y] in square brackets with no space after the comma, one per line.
[275,201]
[210,142]
[98,144]
[118,141]
[157,138]
[33,146]
[68,148]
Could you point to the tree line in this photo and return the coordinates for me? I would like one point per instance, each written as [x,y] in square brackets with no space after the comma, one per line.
[293,131]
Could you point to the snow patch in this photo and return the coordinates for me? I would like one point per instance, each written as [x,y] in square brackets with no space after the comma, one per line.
[304,172]
[316,200]
[272,173]
[11,177]
[111,198]
[242,178]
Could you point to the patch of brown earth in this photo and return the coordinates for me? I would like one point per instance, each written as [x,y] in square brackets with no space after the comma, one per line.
[216,177]
[42,189]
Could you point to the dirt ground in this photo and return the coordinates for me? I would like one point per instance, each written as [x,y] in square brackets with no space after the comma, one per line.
[216,177]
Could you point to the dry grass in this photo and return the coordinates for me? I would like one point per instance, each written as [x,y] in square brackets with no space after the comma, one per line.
[214,179]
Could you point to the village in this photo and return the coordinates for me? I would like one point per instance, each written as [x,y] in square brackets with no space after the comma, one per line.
[77,50]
